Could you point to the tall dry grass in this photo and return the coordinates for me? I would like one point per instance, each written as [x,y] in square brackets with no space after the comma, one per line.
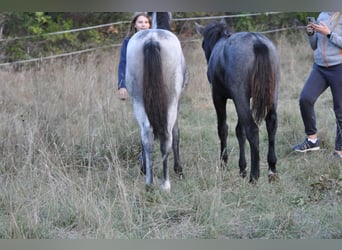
[69,159]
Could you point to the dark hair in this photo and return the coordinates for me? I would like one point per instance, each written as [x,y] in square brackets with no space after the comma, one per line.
[132,29]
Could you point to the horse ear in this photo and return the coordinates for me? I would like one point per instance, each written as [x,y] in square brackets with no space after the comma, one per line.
[223,21]
[199,28]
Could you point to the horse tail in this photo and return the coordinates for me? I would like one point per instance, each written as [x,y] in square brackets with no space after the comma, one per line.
[154,90]
[263,82]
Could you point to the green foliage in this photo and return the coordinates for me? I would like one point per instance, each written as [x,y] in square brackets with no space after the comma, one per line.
[266,21]
[36,26]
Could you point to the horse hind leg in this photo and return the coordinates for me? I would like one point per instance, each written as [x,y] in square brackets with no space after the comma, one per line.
[241,136]
[252,134]
[175,147]
[222,127]
[271,126]
[147,154]
[142,161]
[165,147]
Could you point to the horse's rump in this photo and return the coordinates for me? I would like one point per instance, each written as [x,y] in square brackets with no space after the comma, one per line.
[252,61]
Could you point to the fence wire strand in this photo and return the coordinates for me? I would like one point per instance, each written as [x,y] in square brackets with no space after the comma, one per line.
[118,45]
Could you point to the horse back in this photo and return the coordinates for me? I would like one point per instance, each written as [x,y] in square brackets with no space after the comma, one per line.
[232,59]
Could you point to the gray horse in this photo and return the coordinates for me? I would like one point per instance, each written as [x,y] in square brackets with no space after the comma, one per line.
[156,73]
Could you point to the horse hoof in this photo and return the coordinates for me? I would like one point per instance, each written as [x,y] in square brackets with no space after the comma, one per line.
[272,177]
[143,171]
[253,181]
[223,163]
[243,174]
[181,176]
[166,186]
[149,188]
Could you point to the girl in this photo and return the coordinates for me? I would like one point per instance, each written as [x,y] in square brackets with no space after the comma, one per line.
[140,21]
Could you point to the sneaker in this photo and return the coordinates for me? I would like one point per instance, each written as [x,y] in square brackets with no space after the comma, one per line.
[307,146]
[337,155]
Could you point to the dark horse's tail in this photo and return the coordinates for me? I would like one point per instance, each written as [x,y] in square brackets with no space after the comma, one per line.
[263,77]
[155,92]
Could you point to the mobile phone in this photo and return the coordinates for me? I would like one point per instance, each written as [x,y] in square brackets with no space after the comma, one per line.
[311,19]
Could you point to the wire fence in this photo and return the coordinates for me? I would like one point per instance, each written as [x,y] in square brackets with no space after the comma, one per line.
[118,45]
[126,22]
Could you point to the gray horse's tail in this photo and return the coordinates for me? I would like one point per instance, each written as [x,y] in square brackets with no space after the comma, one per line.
[263,85]
[155,92]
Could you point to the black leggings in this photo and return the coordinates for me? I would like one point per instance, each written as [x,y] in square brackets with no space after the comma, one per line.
[319,80]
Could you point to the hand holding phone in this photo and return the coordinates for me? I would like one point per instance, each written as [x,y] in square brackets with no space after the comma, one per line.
[311,19]
[309,29]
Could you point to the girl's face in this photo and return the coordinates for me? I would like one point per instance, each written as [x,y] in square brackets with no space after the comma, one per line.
[142,23]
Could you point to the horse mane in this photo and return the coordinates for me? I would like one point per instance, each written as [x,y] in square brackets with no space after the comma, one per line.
[213,32]
[161,20]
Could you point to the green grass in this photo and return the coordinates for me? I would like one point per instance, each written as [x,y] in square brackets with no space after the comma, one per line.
[69,160]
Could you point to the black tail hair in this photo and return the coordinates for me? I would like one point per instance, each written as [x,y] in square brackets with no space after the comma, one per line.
[155,92]
[263,79]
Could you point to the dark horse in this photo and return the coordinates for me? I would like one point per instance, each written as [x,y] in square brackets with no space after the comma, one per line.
[243,66]
[156,73]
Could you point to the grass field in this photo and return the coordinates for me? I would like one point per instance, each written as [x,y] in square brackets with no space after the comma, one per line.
[69,159]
